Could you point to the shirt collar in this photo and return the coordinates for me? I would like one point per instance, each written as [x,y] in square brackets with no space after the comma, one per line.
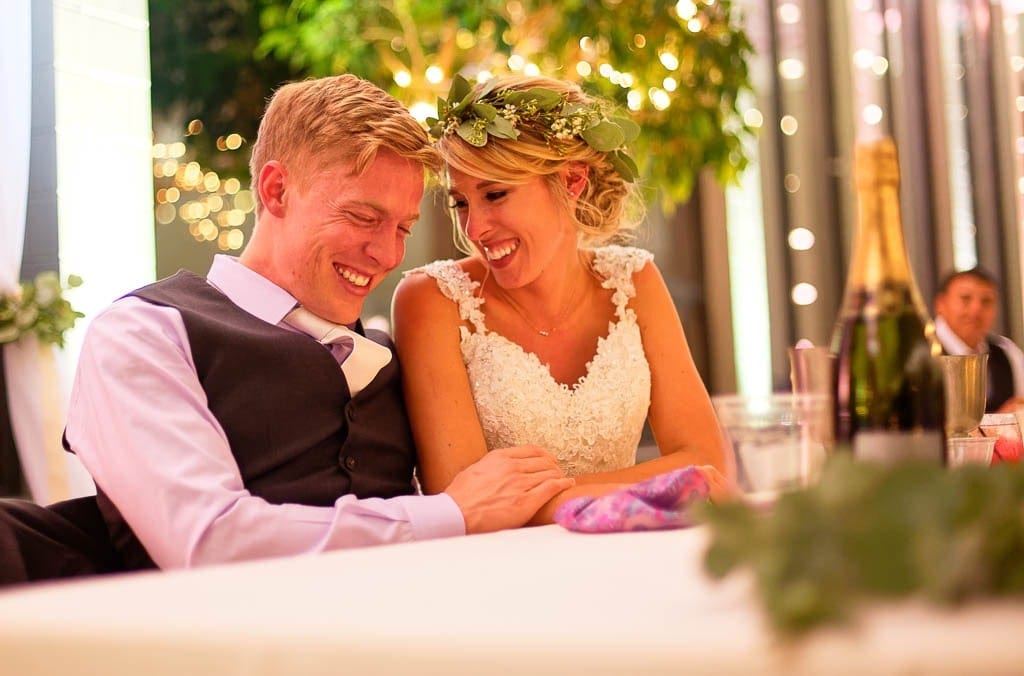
[250,290]
[952,343]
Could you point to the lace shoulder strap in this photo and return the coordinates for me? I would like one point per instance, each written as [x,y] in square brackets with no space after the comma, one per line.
[456,285]
[616,265]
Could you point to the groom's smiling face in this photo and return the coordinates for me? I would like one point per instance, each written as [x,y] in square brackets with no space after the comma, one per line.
[341,233]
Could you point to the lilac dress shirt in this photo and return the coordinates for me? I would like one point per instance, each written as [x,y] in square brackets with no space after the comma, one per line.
[139,422]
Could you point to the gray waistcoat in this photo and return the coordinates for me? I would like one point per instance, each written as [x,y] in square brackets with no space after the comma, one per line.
[296,434]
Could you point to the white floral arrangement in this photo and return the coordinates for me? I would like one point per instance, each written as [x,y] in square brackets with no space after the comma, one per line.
[39,307]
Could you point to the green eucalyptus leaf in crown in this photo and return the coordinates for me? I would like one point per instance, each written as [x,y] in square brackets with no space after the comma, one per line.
[498,113]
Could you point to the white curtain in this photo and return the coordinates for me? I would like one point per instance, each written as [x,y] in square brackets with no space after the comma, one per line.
[33,384]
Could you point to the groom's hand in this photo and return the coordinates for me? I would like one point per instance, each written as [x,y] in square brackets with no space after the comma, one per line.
[506,487]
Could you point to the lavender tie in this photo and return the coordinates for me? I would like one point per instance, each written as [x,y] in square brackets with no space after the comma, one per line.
[364,361]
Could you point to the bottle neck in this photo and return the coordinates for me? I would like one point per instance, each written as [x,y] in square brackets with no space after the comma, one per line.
[879,255]
[879,265]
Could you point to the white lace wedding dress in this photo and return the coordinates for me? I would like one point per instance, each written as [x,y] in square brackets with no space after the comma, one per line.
[592,426]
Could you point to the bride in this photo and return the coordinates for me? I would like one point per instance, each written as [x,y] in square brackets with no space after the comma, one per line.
[547,334]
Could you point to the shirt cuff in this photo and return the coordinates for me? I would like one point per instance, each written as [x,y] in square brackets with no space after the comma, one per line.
[434,516]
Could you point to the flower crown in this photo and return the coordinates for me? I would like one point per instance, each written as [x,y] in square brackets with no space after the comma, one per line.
[498,112]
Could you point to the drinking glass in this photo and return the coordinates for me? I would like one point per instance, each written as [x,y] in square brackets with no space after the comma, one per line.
[965,382]
[775,440]
[970,450]
[812,371]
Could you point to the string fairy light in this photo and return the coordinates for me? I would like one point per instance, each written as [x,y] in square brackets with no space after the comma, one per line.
[212,209]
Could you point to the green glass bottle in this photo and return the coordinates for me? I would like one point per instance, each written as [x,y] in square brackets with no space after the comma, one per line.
[889,390]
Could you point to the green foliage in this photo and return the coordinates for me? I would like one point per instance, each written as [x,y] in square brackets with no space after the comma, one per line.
[38,307]
[876,532]
[501,113]
[203,68]
[700,125]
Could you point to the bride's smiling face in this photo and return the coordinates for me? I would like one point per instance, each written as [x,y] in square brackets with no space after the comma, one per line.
[521,228]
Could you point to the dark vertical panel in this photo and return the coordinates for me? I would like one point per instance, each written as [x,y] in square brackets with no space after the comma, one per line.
[843,124]
[717,290]
[41,217]
[1005,86]
[683,270]
[812,156]
[761,24]
[40,244]
[12,482]
[934,103]
[976,46]
[906,81]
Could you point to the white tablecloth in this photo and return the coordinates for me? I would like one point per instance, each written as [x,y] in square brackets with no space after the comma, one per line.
[533,601]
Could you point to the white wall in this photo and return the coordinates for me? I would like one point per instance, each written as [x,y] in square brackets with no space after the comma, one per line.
[103,140]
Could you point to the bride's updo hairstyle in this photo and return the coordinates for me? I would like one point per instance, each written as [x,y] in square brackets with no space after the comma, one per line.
[531,140]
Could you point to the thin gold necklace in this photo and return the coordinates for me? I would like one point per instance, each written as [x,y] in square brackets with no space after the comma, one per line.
[562,316]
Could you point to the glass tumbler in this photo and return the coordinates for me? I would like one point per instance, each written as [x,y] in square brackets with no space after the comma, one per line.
[776,441]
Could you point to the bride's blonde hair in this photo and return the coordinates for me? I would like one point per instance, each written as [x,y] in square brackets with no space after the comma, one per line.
[608,209]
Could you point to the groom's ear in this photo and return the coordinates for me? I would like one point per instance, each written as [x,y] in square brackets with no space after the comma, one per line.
[273,186]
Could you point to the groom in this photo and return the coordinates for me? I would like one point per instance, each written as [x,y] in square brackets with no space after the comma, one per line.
[247,414]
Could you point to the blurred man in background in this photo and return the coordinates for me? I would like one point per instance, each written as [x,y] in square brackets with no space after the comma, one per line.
[965,312]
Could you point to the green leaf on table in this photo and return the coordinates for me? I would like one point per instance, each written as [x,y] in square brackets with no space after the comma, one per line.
[870,532]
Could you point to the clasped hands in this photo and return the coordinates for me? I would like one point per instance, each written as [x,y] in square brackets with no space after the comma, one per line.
[506,487]
[510,487]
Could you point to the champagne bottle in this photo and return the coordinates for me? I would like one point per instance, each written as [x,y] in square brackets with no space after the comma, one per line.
[889,389]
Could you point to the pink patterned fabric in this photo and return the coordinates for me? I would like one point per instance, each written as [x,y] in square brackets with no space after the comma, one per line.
[657,503]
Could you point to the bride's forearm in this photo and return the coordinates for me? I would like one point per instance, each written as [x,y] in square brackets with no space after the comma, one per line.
[546,514]
[649,468]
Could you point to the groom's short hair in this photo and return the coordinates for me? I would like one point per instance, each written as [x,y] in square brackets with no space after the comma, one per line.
[312,124]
